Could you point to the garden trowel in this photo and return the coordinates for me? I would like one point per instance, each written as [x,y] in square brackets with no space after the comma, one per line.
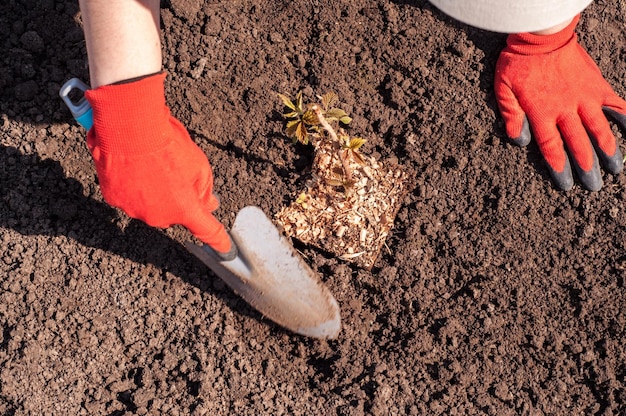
[269,275]
[266,272]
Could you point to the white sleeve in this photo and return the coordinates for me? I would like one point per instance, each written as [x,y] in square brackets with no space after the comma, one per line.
[512,16]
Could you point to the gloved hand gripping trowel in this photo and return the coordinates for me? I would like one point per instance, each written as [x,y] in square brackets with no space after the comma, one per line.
[264,269]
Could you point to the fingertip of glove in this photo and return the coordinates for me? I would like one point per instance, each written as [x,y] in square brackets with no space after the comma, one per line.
[591,179]
[615,115]
[520,141]
[613,164]
[563,180]
[524,138]
[231,254]
[222,256]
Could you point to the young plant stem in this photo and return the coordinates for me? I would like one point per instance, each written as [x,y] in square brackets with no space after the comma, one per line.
[347,171]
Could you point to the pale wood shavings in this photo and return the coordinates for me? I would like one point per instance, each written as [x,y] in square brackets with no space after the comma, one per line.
[354,224]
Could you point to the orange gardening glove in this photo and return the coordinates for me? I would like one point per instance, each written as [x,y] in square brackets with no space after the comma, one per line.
[550,84]
[146,162]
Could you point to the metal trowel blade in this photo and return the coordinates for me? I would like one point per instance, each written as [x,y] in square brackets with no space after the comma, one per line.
[270,275]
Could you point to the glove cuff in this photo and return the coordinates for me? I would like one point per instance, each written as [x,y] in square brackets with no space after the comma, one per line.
[131,118]
[530,44]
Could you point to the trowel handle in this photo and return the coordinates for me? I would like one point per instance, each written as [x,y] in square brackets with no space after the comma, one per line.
[81,110]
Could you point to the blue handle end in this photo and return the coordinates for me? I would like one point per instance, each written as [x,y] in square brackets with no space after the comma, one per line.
[81,110]
[85,119]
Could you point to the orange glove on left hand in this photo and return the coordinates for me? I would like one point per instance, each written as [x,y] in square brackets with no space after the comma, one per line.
[550,84]
[148,165]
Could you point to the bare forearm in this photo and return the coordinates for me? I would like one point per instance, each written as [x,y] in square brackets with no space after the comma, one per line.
[122,39]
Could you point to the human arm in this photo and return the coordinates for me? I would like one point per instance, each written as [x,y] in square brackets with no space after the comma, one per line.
[546,83]
[122,38]
[147,164]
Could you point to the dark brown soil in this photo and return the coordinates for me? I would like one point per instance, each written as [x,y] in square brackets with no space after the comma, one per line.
[495,293]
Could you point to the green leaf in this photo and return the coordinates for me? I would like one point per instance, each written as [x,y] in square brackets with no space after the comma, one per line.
[287,101]
[335,114]
[302,199]
[328,100]
[292,127]
[317,129]
[301,134]
[310,118]
[356,143]
[293,123]
[299,107]
[345,120]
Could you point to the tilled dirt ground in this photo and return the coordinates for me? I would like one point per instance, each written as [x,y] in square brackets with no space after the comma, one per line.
[495,294]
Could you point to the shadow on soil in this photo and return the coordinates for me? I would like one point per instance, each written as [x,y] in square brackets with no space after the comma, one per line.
[39,199]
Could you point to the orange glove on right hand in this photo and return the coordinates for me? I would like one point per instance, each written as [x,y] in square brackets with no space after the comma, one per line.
[148,165]
[550,84]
